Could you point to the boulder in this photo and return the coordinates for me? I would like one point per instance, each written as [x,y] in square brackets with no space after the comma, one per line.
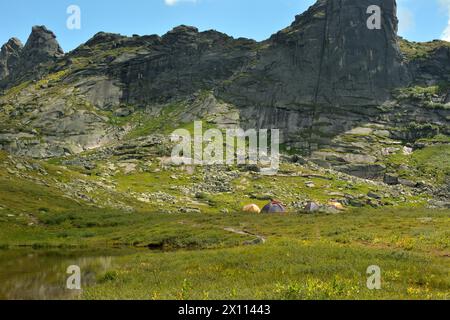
[407,183]
[391,179]
[366,171]
[373,195]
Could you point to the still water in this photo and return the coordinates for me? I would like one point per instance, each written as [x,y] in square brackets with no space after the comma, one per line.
[41,274]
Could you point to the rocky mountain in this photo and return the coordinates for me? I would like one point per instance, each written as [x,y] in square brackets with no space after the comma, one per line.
[345,97]
[9,57]
[18,61]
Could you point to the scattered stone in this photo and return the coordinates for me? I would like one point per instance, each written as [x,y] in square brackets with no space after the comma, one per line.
[252,168]
[90,166]
[365,171]
[407,151]
[373,195]
[310,184]
[391,179]
[299,160]
[407,183]
[436,204]
[356,203]
[336,194]
[361,131]
[20,167]
[123,112]
[373,203]
[128,167]
[190,210]
[254,242]
[262,197]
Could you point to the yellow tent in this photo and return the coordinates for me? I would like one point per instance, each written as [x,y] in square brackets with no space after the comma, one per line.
[336,205]
[251,208]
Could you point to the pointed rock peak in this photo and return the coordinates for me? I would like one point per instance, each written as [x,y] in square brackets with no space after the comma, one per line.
[44,41]
[40,29]
[316,11]
[12,45]
[9,56]
[184,29]
[350,11]
[346,61]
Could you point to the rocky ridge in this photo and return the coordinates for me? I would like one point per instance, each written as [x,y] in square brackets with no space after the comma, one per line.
[346,98]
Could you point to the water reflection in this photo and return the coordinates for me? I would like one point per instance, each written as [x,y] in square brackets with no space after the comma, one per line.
[41,274]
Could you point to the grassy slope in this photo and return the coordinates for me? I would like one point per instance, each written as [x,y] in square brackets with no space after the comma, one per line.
[430,164]
[305,257]
[420,50]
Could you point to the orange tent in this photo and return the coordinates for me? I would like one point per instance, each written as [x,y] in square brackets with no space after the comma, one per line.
[336,205]
[251,208]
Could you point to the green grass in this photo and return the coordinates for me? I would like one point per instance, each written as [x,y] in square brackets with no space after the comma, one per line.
[14,91]
[433,160]
[165,123]
[440,138]
[196,256]
[279,270]
[430,164]
[424,95]
[420,50]
[305,257]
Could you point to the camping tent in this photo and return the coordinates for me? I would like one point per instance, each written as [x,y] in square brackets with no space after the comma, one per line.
[274,207]
[336,205]
[251,208]
[312,207]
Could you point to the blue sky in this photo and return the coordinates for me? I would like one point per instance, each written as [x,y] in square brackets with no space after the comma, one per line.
[420,20]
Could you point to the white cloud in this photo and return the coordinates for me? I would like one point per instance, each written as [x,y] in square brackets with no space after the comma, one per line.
[446,33]
[174,2]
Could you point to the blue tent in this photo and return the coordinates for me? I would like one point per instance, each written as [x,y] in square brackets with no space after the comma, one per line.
[273,207]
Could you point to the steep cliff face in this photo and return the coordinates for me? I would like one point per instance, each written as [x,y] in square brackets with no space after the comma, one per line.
[429,62]
[17,61]
[41,47]
[180,63]
[328,56]
[324,74]
[321,77]
[9,57]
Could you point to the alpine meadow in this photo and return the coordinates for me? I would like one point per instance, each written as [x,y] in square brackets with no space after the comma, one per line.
[313,165]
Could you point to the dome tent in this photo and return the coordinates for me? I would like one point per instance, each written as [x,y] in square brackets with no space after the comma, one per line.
[251,208]
[312,207]
[274,207]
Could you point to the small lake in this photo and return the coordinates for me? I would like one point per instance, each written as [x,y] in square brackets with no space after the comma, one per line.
[27,274]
